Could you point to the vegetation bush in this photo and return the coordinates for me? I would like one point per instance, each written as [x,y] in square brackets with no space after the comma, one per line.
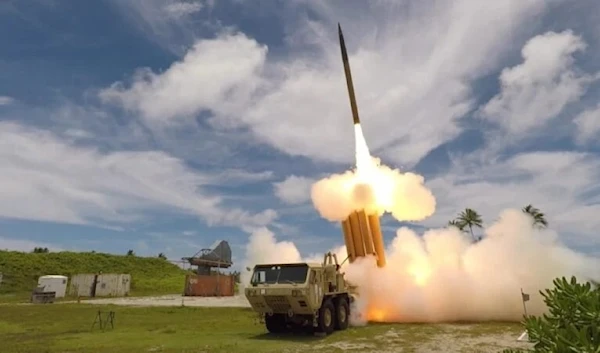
[150,275]
[572,323]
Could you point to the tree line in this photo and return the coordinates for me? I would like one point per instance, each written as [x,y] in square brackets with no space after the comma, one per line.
[469,219]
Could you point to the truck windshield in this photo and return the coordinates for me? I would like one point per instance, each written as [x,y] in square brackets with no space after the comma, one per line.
[280,274]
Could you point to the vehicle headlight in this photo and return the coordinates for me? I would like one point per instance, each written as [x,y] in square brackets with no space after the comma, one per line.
[297,292]
[251,292]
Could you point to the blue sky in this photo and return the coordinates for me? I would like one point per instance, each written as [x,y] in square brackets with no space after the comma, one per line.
[163,126]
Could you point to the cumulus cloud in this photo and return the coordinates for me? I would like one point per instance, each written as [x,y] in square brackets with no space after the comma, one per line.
[588,125]
[399,67]
[44,178]
[294,189]
[562,184]
[216,74]
[539,88]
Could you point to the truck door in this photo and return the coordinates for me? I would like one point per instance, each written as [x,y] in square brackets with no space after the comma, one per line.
[317,286]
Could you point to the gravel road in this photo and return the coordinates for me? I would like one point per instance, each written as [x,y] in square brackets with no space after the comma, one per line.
[237,301]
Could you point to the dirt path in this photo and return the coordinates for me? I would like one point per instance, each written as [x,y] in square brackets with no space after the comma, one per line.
[237,301]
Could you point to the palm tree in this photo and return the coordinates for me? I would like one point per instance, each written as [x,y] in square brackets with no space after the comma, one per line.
[470,218]
[457,224]
[539,219]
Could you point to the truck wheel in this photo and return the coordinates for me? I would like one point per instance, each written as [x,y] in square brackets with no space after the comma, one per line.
[326,320]
[275,323]
[342,314]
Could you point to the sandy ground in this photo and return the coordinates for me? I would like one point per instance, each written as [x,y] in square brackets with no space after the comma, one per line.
[450,341]
[238,301]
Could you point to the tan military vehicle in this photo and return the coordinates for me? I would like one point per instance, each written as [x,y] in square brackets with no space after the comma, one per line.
[289,296]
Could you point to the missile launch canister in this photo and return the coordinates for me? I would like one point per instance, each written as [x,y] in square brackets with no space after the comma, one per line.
[362,232]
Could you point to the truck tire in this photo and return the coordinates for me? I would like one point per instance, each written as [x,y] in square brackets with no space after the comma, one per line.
[275,323]
[326,321]
[342,314]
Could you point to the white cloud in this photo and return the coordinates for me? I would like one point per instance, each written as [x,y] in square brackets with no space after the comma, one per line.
[180,9]
[24,245]
[588,125]
[399,68]
[294,189]
[562,184]
[538,89]
[44,178]
[169,23]
[218,74]
[5,100]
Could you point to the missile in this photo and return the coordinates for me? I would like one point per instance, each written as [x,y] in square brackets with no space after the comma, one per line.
[355,118]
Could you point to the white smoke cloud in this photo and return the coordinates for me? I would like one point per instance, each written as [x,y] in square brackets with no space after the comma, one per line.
[442,276]
[262,247]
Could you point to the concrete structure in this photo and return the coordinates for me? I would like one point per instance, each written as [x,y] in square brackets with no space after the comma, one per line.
[54,283]
[100,285]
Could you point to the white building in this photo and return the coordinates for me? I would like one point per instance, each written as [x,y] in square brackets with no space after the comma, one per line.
[54,283]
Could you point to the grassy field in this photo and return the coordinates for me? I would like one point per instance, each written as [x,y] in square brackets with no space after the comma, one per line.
[149,275]
[67,328]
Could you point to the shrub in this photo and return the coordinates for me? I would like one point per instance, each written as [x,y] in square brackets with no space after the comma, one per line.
[573,320]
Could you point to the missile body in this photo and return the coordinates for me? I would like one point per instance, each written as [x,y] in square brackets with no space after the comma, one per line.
[362,232]
[355,118]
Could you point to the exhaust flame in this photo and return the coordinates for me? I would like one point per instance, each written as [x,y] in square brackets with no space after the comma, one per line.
[373,187]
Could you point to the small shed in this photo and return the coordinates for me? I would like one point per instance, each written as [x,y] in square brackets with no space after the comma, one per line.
[113,285]
[83,285]
[54,283]
[100,285]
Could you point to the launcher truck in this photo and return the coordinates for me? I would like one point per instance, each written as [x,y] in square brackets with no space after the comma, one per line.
[305,296]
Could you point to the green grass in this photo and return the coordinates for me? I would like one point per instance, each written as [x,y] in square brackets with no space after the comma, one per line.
[67,328]
[149,275]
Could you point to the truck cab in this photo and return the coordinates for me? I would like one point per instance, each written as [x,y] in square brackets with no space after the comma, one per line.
[300,295]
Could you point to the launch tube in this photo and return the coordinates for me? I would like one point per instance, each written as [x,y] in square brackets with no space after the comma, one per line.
[359,246]
[375,227]
[349,240]
[366,233]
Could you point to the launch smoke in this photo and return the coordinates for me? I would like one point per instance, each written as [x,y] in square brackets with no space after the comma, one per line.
[374,187]
[441,276]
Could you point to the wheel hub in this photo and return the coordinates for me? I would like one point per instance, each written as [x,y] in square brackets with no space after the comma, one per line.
[342,314]
[327,318]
